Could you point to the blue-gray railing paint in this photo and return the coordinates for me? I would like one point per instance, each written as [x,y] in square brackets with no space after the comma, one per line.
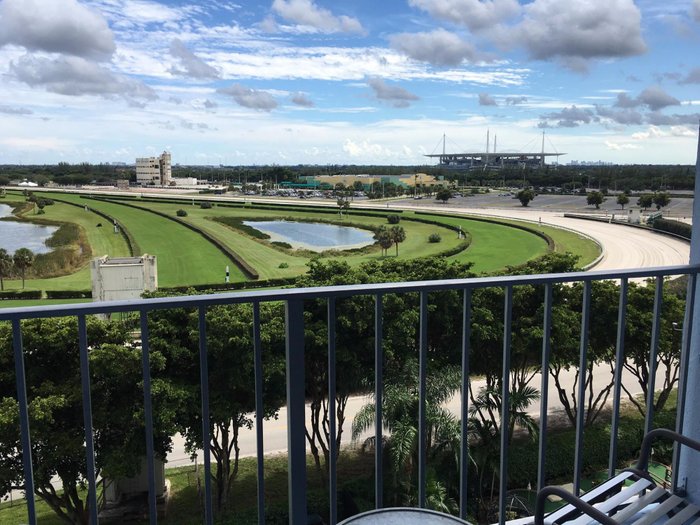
[581,406]
[294,299]
[204,392]
[505,403]
[464,411]
[544,386]
[422,376]
[87,417]
[332,444]
[617,381]
[259,414]
[654,353]
[378,400]
[148,416]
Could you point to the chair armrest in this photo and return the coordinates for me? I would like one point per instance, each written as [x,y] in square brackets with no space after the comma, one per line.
[645,451]
[567,496]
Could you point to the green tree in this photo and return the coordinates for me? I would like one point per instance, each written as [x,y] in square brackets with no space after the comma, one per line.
[443,194]
[661,200]
[229,329]
[5,266]
[525,196]
[51,354]
[645,201]
[384,238]
[343,205]
[398,235]
[622,199]
[23,259]
[595,198]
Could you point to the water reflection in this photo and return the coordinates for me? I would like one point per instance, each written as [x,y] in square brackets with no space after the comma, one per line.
[314,236]
[15,235]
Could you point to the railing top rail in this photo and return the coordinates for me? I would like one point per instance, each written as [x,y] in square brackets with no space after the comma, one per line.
[194,301]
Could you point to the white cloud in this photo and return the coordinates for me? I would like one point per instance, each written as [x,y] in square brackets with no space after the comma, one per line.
[696,10]
[578,30]
[250,98]
[307,13]
[438,47]
[487,100]
[475,14]
[300,99]
[56,26]
[75,76]
[9,110]
[617,146]
[397,96]
[193,66]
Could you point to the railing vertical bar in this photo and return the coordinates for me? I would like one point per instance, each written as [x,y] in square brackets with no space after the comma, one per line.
[296,411]
[87,418]
[21,380]
[204,392]
[654,353]
[617,381]
[259,413]
[332,444]
[505,403]
[581,405]
[544,388]
[422,376]
[683,374]
[148,415]
[464,424]
[378,402]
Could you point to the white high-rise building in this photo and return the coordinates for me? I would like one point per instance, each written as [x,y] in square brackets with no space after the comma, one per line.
[154,171]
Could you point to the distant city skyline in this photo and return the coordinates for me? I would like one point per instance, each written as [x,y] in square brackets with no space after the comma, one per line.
[321,82]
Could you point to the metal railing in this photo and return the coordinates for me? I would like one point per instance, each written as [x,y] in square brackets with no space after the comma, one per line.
[293,300]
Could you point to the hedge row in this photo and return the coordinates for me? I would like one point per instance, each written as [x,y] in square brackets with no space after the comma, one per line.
[561,450]
[679,228]
[20,294]
[249,285]
[247,270]
[68,294]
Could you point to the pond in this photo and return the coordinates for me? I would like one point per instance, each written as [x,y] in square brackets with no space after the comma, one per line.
[15,235]
[314,236]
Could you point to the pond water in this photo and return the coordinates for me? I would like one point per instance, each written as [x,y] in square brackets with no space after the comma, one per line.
[15,235]
[314,236]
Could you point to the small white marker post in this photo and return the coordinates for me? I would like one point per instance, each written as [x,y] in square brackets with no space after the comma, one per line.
[227,275]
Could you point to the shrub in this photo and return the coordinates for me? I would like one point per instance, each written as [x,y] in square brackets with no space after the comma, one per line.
[434,237]
[282,244]
[181,213]
[283,265]
[68,294]
[205,205]
[679,228]
[20,294]
[393,219]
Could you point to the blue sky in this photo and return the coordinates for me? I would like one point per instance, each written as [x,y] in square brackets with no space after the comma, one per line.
[321,82]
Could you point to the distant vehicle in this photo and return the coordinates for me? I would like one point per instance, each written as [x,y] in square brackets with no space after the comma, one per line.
[418,197]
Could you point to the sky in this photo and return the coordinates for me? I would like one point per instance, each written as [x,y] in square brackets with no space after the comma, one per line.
[355,82]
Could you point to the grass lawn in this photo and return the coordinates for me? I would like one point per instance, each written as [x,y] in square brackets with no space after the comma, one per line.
[184,256]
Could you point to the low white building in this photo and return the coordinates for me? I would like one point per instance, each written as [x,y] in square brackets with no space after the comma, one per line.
[154,171]
[123,278]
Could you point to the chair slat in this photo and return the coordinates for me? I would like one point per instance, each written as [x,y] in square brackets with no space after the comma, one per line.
[632,509]
[663,508]
[683,515]
[588,496]
[615,501]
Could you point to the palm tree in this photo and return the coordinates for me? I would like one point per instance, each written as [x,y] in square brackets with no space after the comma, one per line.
[23,259]
[398,234]
[400,410]
[5,266]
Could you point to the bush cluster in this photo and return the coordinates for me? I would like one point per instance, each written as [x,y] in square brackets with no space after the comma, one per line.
[20,294]
[677,227]
[393,219]
[181,213]
[434,237]
[205,205]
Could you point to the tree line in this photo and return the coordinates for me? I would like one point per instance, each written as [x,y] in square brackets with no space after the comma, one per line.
[16,264]
[55,401]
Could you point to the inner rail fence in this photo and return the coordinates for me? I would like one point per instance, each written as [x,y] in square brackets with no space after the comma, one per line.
[294,308]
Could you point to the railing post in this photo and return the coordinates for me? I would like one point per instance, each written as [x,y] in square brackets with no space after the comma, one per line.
[87,418]
[296,416]
[581,405]
[148,416]
[21,380]
[505,403]
[690,466]
[378,402]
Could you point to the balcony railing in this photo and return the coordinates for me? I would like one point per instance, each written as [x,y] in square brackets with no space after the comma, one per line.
[294,301]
